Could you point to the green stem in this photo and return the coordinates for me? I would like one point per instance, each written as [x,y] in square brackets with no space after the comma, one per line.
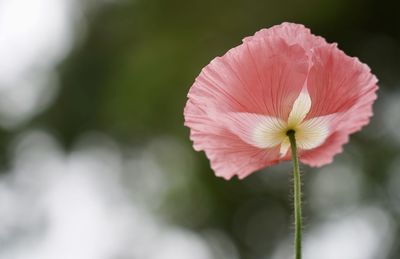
[297,195]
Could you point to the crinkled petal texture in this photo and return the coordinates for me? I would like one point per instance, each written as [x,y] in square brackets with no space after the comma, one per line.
[242,102]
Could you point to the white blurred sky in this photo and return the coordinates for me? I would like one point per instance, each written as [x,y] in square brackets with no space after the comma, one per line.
[55,205]
[35,36]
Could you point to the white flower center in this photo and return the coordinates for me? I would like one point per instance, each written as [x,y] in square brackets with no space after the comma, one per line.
[310,133]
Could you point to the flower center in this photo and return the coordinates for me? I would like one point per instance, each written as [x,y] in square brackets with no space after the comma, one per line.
[310,133]
[290,132]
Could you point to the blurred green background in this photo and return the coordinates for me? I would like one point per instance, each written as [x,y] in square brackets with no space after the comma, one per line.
[94,151]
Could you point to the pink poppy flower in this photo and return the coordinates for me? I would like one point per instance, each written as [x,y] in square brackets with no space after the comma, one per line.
[242,104]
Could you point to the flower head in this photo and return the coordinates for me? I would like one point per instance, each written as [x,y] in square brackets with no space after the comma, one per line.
[243,104]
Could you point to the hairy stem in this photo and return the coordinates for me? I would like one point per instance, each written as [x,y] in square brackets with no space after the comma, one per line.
[297,195]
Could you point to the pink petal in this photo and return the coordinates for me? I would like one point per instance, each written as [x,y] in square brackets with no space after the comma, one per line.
[344,88]
[337,82]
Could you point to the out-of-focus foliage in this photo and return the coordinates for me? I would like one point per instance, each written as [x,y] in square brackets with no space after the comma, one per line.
[127,77]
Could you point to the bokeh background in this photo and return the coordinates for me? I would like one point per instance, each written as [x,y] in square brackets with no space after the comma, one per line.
[96,163]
